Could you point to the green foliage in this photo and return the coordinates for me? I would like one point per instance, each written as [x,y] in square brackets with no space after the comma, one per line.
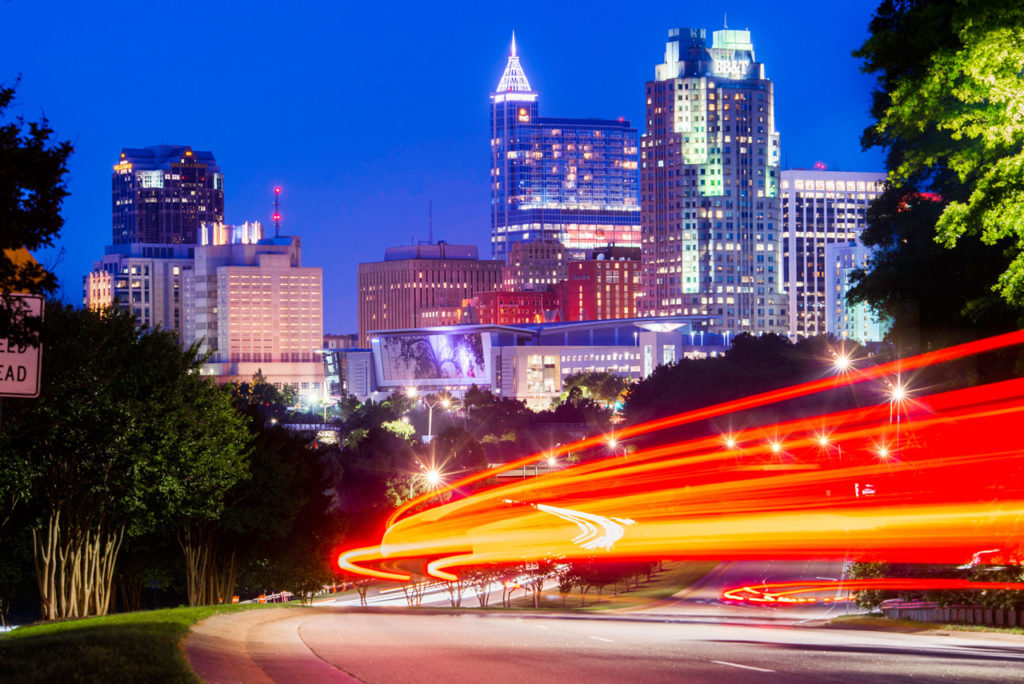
[32,169]
[950,98]
[603,387]
[933,296]
[399,428]
[133,440]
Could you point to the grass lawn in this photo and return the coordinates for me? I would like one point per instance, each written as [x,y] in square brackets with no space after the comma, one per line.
[884,623]
[675,576]
[127,647]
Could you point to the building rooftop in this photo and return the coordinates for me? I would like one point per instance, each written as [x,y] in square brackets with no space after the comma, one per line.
[162,156]
[439,250]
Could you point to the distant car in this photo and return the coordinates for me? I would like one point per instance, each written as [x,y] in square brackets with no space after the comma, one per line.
[867,490]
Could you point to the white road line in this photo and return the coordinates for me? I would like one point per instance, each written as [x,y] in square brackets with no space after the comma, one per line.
[541,626]
[603,639]
[745,667]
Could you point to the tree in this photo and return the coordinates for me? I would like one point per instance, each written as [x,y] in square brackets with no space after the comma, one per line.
[604,387]
[947,111]
[32,168]
[109,448]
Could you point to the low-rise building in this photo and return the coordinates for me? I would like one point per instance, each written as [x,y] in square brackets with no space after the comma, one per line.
[146,279]
[530,361]
[417,278]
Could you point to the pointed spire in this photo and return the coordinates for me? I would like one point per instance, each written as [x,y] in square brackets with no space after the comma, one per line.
[513,80]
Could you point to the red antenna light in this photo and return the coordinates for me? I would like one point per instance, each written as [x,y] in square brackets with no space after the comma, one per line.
[277,211]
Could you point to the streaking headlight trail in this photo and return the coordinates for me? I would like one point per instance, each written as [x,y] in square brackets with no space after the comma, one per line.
[928,477]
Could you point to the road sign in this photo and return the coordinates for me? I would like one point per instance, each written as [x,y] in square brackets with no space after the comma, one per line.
[19,364]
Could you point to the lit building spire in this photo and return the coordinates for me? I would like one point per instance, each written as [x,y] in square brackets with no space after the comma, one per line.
[513,80]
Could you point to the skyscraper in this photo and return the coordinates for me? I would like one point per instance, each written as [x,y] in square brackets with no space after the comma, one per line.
[709,181]
[163,193]
[573,180]
[819,208]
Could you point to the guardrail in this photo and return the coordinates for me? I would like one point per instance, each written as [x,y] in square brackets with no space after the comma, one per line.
[929,611]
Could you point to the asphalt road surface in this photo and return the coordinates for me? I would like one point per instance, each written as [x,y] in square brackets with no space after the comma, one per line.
[387,645]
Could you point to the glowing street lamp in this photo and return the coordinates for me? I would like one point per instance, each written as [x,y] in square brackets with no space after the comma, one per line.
[433,477]
[776,447]
[616,444]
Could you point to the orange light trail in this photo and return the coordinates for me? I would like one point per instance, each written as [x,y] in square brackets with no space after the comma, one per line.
[936,485]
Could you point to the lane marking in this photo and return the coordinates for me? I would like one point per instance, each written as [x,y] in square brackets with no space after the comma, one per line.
[602,639]
[541,626]
[745,667]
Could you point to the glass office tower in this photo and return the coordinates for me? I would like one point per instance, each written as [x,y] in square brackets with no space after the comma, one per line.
[163,193]
[709,178]
[573,180]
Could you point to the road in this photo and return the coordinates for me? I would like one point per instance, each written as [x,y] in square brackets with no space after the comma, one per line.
[387,645]
[703,599]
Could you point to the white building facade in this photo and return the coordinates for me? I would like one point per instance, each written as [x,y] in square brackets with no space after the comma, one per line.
[819,208]
[255,308]
[146,279]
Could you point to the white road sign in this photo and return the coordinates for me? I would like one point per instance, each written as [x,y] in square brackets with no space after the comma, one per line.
[19,364]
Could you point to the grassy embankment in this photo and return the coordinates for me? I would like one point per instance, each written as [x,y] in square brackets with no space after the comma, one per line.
[127,647]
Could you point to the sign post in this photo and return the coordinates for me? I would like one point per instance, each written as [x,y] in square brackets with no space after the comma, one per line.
[19,363]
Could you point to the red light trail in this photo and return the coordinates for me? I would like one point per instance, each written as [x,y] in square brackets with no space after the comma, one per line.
[919,478]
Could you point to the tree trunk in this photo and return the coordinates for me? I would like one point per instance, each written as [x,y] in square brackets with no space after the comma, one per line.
[75,567]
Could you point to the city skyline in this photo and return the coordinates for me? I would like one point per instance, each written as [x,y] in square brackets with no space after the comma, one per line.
[385,143]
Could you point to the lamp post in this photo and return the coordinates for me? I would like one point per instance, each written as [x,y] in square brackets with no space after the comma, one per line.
[615,444]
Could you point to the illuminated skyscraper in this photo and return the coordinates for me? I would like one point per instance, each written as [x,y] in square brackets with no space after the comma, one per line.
[163,193]
[821,208]
[709,181]
[573,180]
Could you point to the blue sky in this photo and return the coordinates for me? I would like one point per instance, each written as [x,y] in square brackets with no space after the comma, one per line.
[364,114]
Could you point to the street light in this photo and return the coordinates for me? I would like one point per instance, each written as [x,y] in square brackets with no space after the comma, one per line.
[433,477]
[615,444]
[897,395]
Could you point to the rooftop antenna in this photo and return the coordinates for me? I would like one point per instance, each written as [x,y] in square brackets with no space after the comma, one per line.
[277,211]
[430,221]
[513,43]
[725,20]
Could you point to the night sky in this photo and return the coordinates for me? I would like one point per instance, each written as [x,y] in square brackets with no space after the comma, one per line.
[365,112]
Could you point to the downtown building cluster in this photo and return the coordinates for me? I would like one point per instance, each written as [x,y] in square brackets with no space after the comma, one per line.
[693,230]
[611,249]
[243,297]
